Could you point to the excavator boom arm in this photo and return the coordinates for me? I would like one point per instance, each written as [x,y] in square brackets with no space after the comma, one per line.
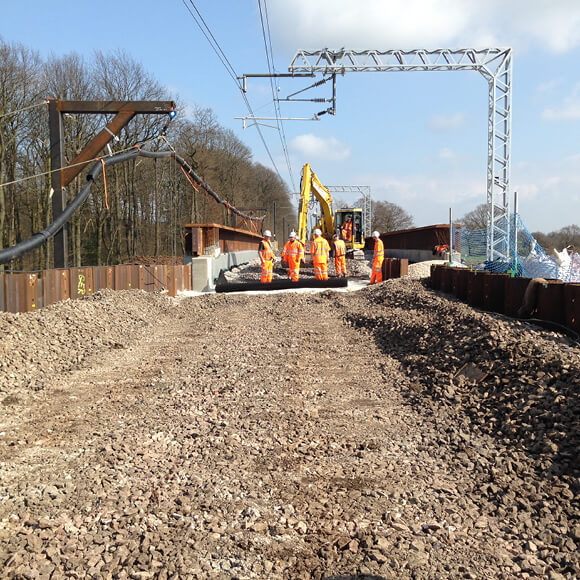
[311,184]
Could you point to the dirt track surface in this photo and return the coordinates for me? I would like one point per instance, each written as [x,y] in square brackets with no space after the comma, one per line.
[386,433]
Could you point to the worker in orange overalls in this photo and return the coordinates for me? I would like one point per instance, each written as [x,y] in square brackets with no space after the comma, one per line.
[346,230]
[339,255]
[319,248]
[266,258]
[378,258]
[293,252]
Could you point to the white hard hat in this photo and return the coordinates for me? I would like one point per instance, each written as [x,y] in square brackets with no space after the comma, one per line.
[317,232]
[267,234]
[376,235]
[292,234]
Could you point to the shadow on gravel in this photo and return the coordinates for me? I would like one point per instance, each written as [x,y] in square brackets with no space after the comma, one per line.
[523,390]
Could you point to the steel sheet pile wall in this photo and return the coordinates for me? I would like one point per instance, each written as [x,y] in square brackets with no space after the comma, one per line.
[395,268]
[203,238]
[23,292]
[425,238]
[554,300]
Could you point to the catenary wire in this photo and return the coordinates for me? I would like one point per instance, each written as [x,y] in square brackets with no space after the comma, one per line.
[223,59]
[23,109]
[271,69]
[73,165]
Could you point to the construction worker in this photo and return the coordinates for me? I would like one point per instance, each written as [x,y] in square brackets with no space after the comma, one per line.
[266,258]
[378,257]
[346,230]
[293,252]
[319,248]
[339,248]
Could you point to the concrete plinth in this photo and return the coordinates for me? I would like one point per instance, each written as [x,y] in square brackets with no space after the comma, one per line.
[206,269]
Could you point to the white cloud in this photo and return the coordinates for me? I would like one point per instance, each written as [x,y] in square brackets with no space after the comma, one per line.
[569,110]
[419,194]
[527,191]
[548,86]
[573,160]
[549,193]
[447,154]
[312,147]
[549,196]
[365,24]
[447,123]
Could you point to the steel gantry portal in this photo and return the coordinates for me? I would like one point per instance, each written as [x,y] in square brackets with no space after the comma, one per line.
[367,204]
[495,64]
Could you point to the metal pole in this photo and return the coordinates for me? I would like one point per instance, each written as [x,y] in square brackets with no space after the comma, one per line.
[275,220]
[450,236]
[58,193]
[515,230]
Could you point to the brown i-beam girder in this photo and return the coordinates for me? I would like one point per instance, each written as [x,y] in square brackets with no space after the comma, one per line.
[62,175]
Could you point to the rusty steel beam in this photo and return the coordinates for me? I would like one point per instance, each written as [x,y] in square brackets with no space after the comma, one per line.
[61,176]
[125,111]
[201,237]
[105,107]
[58,194]
[95,146]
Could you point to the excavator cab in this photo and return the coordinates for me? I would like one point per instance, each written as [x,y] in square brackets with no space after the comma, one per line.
[349,223]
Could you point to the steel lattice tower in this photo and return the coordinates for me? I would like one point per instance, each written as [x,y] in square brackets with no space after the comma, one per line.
[495,64]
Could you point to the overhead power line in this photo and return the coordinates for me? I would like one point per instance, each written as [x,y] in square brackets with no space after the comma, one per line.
[23,109]
[271,69]
[229,68]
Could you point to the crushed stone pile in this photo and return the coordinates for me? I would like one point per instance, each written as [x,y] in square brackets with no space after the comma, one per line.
[421,270]
[390,432]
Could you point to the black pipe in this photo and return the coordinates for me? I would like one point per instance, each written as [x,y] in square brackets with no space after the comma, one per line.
[224,286]
[13,252]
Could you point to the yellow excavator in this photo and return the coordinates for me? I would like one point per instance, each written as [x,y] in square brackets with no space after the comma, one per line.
[347,221]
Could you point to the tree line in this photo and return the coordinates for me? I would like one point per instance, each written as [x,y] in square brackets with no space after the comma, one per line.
[566,237]
[143,210]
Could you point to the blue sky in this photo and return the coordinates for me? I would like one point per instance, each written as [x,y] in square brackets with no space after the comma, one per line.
[417,139]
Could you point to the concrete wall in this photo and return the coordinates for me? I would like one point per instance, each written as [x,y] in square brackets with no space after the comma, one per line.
[412,255]
[206,269]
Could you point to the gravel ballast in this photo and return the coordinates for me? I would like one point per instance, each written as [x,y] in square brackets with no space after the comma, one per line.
[391,432]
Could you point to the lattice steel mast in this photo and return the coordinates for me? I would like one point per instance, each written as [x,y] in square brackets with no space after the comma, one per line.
[495,64]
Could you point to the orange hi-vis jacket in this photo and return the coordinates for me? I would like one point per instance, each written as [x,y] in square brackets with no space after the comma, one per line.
[267,258]
[319,248]
[378,258]
[340,257]
[347,231]
[293,252]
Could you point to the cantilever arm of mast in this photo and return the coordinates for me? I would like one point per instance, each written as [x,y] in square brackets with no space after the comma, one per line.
[252,118]
[272,75]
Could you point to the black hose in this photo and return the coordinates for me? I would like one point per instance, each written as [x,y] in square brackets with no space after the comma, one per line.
[551,325]
[13,252]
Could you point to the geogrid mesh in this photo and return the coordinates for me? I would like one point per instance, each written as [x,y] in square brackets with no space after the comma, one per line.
[527,258]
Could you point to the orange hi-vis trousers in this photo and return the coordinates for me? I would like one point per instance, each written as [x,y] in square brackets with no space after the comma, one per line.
[267,269]
[377,273]
[340,265]
[294,268]
[320,268]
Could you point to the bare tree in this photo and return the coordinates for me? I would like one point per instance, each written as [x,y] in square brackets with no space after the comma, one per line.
[19,90]
[146,203]
[566,237]
[476,219]
[390,217]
